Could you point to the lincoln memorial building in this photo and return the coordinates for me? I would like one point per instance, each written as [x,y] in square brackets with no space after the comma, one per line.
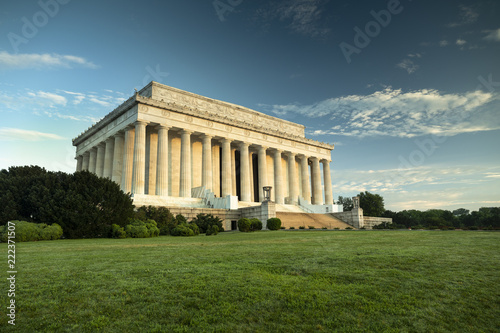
[169,147]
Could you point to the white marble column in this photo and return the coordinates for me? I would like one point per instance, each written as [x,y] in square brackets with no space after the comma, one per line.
[244,172]
[79,163]
[262,171]
[128,160]
[233,172]
[85,164]
[206,177]
[162,161]
[250,170]
[116,174]
[139,167]
[93,159]
[99,165]
[292,179]
[108,158]
[216,164]
[185,177]
[151,161]
[306,184]
[226,176]
[317,198]
[278,178]
[327,179]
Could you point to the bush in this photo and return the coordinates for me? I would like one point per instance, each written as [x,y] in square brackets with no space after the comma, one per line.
[152,228]
[336,228]
[205,221]
[348,228]
[165,220]
[182,230]
[136,229]
[273,223]
[302,227]
[244,225]
[255,224]
[312,227]
[194,227]
[27,231]
[324,228]
[292,228]
[118,232]
[212,230]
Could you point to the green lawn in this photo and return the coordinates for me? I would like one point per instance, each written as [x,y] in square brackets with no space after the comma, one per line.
[283,281]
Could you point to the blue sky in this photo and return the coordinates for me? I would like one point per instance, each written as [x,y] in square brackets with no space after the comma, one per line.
[408,91]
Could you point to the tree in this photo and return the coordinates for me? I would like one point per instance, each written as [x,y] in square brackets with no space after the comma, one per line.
[84,205]
[460,211]
[372,204]
[346,202]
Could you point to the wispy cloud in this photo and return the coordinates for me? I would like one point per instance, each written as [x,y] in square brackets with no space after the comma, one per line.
[17,134]
[41,61]
[392,112]
[492,35]
[461,42]
[467,15]
[443,43]
[50,97]
[303,17]
[408,65]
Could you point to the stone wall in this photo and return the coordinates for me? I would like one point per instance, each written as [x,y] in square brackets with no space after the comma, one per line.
[225,214]
[353,217]
[263,212]
[370,222]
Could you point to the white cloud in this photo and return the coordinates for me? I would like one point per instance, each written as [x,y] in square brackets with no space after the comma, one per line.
[467,16]
[17,134]
[492,35]
[100,102]
[408,65]
[395,113]
[461,42]
[50,97]
[443,43]
[39,61]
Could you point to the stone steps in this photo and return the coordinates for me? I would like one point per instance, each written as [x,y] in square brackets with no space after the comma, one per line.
[289,219]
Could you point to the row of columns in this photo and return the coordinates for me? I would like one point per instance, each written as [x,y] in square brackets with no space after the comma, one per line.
[122,158]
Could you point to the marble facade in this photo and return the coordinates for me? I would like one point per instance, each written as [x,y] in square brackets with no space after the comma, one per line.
[164,142]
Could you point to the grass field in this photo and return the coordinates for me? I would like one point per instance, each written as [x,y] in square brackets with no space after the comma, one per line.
[283,281]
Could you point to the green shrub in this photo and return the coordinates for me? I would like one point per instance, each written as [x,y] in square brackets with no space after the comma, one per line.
[473,227]
[28,231]
[324,228]
[194,227]
[336,228]
[152,228]
[180,219]
[165,220]
[212,230]
[362,228]
[182,230]
[118,232]
[312,227]
[292,228]
[136,229]
[244,225]
[205,221]
[273,223]
[302,227]
[255,224]
[283,227]
[51,232]
[348,228]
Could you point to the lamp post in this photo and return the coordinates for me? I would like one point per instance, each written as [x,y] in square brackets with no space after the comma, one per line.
[267,193]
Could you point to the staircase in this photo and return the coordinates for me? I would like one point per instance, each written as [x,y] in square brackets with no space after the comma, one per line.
[319,221]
